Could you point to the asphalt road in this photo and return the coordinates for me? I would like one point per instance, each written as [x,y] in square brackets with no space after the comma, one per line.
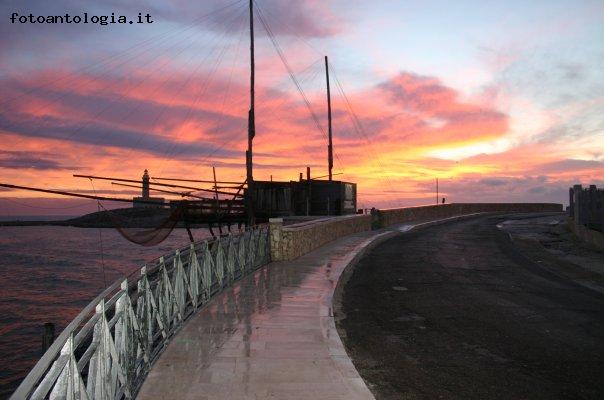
[457,311]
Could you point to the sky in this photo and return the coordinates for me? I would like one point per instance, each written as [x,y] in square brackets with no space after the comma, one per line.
[501,101]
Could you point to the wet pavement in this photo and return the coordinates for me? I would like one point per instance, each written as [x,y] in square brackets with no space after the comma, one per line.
[272,335]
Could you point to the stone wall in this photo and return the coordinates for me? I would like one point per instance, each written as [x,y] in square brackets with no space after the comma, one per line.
[399,215]
[594,238]
[292,241]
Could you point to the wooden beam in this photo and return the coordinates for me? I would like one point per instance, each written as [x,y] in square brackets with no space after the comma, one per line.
[151,183]
[325,176]
[183,194]
[194,180]
[71,194]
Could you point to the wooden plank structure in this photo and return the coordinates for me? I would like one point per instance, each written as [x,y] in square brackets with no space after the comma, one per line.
[306,197]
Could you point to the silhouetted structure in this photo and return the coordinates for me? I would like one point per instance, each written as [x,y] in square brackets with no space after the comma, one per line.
[146,201]
[586,206]
[304,197]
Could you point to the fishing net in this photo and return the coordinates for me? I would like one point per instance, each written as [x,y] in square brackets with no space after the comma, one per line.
[148,236]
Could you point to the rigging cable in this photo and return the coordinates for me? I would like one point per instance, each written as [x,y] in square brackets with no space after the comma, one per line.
[292,76]
[140,104]
[136,47]
[259,105]
[217,48]
[98,202]
[52,101]
[222,109]
[359,128]
[110,105]
[290,30]
[202,91]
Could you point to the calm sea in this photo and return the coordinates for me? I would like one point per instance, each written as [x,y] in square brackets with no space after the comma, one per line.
[48,274]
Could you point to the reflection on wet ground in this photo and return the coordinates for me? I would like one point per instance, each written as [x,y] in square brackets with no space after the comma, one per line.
[270,336]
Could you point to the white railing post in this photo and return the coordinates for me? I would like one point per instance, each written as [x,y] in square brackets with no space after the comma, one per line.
[219,262]
[241,253]
[206,262]
[121,333]
[179,285]
[230,257]
[193,276]
[144,316]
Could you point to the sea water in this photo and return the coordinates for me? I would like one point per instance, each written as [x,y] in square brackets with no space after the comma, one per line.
[49,273]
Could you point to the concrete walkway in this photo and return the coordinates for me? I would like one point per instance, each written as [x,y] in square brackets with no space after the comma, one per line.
[271,336]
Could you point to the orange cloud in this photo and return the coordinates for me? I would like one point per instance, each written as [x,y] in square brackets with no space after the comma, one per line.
[57,122]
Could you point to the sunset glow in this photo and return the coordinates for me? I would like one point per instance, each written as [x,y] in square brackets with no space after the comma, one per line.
[501,103]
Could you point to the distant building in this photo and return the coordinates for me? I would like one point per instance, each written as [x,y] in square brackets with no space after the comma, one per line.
[146,201]
[586,206]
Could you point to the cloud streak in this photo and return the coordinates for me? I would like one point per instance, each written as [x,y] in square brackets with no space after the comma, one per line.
[31,160]
[178,104]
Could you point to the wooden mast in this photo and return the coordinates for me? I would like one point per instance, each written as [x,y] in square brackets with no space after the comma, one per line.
[251,128]
[330,145]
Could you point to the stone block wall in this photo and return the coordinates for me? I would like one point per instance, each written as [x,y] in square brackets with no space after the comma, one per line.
[292,241]
[400,215]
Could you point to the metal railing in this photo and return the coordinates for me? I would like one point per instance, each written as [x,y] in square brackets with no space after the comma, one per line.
[108,349]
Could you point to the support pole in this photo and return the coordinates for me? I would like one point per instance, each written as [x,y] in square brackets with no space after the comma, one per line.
[330,145]
[48,337]
[217,211]
[251,129]
[308,195]
[215,185]
[436,191]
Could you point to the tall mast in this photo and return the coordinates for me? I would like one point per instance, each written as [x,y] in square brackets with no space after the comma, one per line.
[330,145]
[251,127]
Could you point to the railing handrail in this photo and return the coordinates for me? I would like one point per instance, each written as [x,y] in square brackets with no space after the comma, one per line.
[49,356]
[165,298]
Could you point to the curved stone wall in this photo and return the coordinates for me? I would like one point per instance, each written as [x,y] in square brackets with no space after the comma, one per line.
[394,216]
[292,241]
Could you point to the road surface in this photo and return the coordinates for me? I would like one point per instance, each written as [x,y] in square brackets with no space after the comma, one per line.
[457,311]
